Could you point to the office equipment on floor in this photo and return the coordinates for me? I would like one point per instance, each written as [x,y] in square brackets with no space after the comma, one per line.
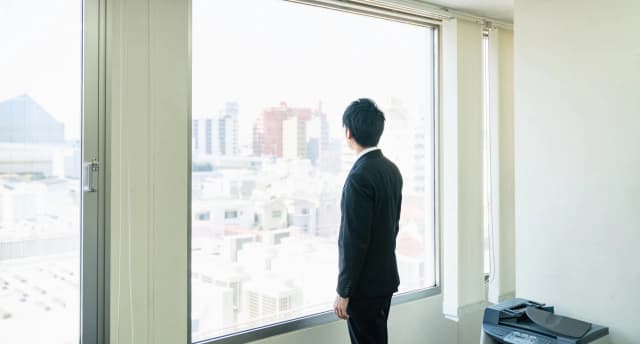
[520,321]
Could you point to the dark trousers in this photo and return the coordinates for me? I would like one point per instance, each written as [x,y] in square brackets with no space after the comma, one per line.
[368,319]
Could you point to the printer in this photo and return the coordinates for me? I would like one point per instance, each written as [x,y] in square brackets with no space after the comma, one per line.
[520,321]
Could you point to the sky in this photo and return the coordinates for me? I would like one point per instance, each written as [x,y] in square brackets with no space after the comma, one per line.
[263,52]
[41,55]
[256,52]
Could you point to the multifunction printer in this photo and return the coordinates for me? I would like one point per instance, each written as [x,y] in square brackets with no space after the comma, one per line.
[520,321]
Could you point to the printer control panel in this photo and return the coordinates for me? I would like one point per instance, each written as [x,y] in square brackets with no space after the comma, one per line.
[516,337]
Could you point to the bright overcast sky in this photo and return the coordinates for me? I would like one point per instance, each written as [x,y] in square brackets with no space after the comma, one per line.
[262,52]
[41,55]
[256,52]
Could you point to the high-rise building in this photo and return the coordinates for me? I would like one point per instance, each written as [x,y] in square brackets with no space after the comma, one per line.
[409,154]
[331,156]
[258,137]
[294,138]
[269,128]
[324,129]
[207,136]
[317,145]
[420,163]
[215,136]
[195,135]
[228,129]
[347,157]
[269,131]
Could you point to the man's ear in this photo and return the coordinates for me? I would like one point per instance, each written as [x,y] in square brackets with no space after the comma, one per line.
[348,133]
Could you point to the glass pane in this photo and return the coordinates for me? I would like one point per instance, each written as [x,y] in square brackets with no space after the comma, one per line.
[271,80]
[40,121]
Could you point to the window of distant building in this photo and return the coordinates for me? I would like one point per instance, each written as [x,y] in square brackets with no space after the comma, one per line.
[204,216]
[271,100]
[231,214]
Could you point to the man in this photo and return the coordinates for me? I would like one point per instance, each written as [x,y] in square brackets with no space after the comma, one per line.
[370,206]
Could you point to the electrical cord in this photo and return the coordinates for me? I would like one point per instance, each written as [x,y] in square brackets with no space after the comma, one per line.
[489,167]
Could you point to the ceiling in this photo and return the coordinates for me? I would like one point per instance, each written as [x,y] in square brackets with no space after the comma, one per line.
[495,9]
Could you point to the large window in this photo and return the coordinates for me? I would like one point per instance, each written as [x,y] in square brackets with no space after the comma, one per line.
[271,80]
[46,281]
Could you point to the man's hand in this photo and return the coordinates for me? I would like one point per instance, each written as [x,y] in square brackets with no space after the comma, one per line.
[340,307]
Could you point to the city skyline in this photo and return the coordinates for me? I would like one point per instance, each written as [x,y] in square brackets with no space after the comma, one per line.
[256,213]
[56,82]
[245,51]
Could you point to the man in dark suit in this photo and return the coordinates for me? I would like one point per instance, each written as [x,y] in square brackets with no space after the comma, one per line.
[371,200]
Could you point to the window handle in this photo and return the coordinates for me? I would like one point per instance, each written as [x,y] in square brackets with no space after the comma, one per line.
[89,169]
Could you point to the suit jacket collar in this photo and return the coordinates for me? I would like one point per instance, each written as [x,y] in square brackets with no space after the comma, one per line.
[375,153]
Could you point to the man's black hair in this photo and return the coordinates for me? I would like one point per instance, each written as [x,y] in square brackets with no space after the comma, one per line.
[365,122]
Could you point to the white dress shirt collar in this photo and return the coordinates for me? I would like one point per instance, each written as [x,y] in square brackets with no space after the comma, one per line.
[365,151]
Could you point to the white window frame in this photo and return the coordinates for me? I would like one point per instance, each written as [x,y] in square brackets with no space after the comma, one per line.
[94,285]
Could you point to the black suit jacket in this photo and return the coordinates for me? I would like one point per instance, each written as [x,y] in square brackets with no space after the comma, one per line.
[371,200]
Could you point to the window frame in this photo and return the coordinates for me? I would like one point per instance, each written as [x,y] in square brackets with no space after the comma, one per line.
[94,284]
[383,12]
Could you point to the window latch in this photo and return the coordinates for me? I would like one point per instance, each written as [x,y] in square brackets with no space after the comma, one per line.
[89,169]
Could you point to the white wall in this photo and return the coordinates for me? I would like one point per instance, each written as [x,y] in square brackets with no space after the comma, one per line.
[461,166]
[577,141]
[502,283]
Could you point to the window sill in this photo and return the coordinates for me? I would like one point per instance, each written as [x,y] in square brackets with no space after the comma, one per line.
[308,321]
